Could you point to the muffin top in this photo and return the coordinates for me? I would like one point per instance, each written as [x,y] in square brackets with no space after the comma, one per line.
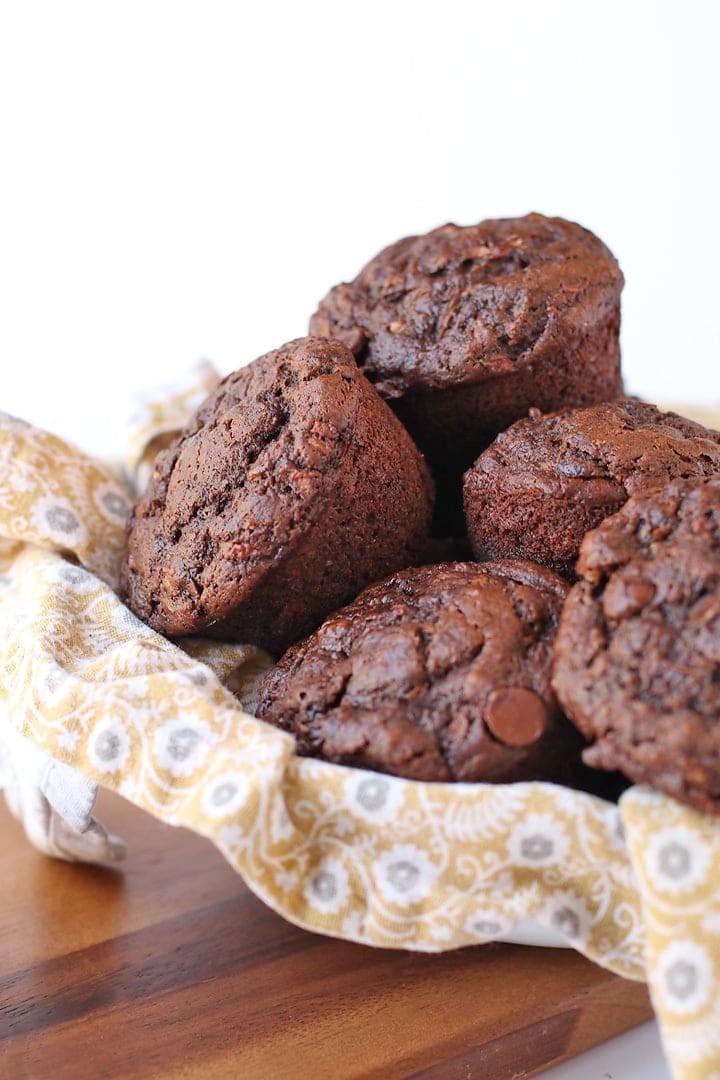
[437,673]
[600,453]
[547,480]
[277,450]
[637,658]
[462,304]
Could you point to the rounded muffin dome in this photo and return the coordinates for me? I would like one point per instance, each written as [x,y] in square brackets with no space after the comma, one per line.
[637,657]
[548,480]
[292,488]
[467,328]
[437,673]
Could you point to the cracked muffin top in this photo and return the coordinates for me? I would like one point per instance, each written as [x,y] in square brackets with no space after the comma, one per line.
[637,657]
[438,673]
[292,488]
[548,480]
[462,304]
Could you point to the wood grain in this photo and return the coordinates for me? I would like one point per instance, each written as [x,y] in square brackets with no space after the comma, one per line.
[173,969]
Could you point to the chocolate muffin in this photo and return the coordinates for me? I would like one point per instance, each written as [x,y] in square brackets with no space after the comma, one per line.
[467,328]
[293,487]
[637,656]
[548,480]
[438,673]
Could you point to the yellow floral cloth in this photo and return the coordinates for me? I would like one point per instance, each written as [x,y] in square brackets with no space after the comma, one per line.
[352,854]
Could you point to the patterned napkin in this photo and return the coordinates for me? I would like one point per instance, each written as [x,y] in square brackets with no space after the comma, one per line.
[352,854]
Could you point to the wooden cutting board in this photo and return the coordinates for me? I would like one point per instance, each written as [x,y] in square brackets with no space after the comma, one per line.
[173,969]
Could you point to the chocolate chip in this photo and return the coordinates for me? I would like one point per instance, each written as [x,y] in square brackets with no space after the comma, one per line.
[515,716]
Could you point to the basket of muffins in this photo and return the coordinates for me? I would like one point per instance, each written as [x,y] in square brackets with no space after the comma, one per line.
[417,618]
[472,556]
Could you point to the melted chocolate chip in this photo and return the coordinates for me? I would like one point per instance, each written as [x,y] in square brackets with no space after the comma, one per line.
[515,716]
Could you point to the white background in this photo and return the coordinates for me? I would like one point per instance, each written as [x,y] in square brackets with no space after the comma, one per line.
[186,180]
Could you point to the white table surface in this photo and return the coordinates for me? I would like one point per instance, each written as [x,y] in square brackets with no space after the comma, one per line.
[636,1055]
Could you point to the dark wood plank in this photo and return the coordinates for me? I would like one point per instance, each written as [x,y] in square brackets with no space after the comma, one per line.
[173,969]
